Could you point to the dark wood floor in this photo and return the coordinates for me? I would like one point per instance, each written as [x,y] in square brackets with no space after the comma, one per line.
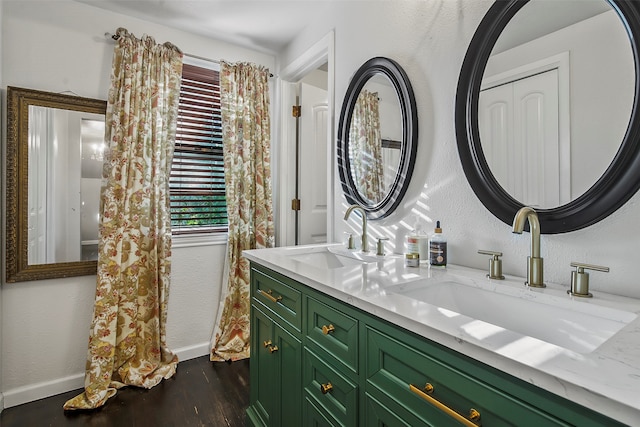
[202,393]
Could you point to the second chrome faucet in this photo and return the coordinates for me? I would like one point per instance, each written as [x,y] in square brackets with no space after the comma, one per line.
[535,268]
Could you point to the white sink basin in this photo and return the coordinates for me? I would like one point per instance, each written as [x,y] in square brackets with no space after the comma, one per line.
[574,325]
[326,260]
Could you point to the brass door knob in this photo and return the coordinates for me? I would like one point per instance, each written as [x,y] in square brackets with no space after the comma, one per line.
[328,329]
[267,343]
[326,388]
[273,348]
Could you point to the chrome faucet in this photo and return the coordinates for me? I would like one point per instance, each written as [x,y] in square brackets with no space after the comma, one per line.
[535,274]
[365,244]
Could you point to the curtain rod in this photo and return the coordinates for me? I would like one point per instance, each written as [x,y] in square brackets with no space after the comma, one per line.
[202,58]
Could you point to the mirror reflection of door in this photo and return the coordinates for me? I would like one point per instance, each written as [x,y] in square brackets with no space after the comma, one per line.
[519,125]
[313,159]
[92,156]
[596,92]
[59,194]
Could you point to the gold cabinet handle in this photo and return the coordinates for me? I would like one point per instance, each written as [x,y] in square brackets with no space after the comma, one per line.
[269,295]
[267,343]
[474,416]
[326,388]
[328,329]
[273,348]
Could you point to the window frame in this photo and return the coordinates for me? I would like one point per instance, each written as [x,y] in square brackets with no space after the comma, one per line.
[184,236]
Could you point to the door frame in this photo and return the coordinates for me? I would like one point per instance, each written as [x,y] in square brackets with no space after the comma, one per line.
[320,53]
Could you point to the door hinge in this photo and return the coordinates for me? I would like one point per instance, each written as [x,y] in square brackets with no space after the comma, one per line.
[296,111]
[295,204]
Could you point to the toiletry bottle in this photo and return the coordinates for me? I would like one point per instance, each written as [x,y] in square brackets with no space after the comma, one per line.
[438,248]
[423,244]
[413,242]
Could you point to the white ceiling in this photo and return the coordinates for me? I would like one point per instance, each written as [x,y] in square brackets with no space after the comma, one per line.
[263,25]
[269,25]
[538,18]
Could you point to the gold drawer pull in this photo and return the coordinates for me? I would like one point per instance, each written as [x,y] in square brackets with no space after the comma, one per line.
[328,329]
[474,416]
[271,297]
[273,348]
[326,388]
[267,343]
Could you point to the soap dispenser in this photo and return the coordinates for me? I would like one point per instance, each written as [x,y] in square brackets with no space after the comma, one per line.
[438,248]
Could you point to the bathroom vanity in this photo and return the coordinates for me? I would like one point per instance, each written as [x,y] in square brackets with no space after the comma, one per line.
[341,338]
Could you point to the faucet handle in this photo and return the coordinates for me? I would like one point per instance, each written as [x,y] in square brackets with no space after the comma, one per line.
[495,264]
[350,244]
[580,279]
[380,246]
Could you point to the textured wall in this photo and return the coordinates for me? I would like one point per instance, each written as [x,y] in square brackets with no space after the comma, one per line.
[429,39]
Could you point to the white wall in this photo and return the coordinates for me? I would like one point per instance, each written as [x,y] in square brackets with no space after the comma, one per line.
[59,46]
[429,40]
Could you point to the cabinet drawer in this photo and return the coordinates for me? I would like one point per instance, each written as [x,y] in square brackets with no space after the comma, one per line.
[280,298]
[392,367]
[332,393]
[333,332]
[377,413]
[314,417]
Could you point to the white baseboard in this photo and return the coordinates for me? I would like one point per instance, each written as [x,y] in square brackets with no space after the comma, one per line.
[31,392]
[193,351]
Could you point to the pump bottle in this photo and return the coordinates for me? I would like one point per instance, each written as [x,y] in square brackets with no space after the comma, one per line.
[438,248]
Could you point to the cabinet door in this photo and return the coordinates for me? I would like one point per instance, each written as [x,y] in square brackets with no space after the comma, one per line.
[276,366]
[288,384]
[262,397]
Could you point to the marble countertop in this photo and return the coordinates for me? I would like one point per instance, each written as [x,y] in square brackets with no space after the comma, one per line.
[605,379]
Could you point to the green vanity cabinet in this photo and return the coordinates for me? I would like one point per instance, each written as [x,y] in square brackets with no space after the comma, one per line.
[276,354]
[340,366]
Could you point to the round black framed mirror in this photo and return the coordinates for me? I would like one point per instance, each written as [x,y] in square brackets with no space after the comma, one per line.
[377,137]
[620,179]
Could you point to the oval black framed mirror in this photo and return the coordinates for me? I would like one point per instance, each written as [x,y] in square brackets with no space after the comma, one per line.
[377,137]
[602,194]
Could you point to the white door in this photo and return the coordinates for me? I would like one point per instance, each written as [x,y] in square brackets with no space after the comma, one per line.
[519,130]
[312,219]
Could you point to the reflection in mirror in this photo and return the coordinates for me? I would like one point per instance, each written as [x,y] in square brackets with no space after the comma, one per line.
[556,98]
[375,138]
[54,168]
[92,145]
[65,168]
[593,144]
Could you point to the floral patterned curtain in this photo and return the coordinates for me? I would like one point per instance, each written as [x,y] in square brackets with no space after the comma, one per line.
[244,92]
[365,146]
[127,342]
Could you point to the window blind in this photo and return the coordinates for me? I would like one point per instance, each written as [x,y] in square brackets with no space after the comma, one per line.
[196,184]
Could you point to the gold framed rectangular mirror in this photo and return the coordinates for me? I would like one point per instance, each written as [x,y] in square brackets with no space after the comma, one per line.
[53,170]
